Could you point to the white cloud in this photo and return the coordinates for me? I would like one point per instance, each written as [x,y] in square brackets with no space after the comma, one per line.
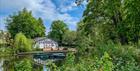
[64,8]
[45,9]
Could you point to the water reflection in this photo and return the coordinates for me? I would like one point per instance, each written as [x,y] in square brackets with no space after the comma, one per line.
[1,63]
[44,58]
[36,62]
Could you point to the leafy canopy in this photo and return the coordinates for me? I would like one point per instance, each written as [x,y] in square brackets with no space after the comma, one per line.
[24,22]
[58,29]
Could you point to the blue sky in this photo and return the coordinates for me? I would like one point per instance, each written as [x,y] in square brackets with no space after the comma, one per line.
[48,10]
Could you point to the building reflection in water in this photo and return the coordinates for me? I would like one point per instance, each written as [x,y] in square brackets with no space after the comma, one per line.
[38,61]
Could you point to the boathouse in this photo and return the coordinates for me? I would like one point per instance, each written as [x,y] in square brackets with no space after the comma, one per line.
[45,44]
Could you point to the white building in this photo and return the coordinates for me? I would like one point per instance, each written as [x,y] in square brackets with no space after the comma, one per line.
[44,42]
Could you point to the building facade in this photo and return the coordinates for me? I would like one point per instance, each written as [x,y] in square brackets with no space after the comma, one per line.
[45,43]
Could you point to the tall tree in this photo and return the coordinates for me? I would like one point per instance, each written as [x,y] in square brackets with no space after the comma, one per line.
[58,29]
[115,20]
[69,38]
[41,26]
[24,22]
[131,17]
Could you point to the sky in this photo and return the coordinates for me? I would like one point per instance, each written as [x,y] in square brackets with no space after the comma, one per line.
[48,10]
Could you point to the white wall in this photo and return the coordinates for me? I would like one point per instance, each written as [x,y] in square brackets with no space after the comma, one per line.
[41,45]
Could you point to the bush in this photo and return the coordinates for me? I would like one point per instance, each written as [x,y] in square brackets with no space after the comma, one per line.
[104,57]
[139,44]
[87,64]
[123,65]
[125,57]
[4,51]
[22,44]
[24,65]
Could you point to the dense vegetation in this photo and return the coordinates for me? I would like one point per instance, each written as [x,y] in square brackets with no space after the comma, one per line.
[22,27]
[22,44]
[61,33]
[24,65]
[112,20]
[24,22]
[107,37]
[58,29]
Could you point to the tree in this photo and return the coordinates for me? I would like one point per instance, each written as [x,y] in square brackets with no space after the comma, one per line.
[69,38]
[131,18]
[99,19]
[112,20]
[58,29]
[21,43]
[42,27]
[24,22]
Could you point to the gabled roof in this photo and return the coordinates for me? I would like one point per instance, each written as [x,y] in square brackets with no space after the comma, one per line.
[44,40]
[39,39]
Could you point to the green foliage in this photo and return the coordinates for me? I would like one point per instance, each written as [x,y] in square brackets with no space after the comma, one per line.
[51,66]
[106,25]
[24,22]
[5,38]
[121,55]
[139,44]
[84,44]
[106,62]
[130,65]
[23,65]
[58,29]
[131,16]
[69,38]
[115,20]
[6,51]
[70,57]
[105,57]
[87,64]
[22,44]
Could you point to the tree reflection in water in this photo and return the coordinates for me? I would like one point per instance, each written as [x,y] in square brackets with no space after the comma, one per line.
[27,63]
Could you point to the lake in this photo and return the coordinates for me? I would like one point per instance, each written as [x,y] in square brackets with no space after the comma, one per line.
[35,62]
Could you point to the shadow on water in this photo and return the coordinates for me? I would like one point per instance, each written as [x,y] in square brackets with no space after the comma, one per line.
[35,62]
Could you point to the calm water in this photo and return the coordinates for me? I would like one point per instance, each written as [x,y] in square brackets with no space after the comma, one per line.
[37,61]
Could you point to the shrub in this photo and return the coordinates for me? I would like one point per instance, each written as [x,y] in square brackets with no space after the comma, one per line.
[139,44]
[123,65]
[87,64]
[4,51]
[22,44]
[124,57]
[24,65]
